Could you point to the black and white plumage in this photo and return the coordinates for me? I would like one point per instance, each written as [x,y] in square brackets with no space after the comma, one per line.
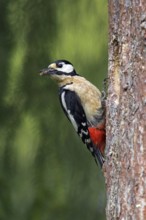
[71,105]
[80,100]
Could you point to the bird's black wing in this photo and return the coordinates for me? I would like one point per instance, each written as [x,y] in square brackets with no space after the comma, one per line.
[74,111]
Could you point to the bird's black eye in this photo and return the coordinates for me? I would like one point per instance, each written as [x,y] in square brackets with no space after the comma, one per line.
[59,65]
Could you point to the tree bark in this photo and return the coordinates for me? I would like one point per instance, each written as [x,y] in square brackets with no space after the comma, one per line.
[125,167]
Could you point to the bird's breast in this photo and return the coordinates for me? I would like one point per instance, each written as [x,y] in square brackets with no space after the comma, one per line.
[89,95]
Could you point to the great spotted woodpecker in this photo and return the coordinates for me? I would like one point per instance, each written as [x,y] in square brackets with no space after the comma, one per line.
[82,104]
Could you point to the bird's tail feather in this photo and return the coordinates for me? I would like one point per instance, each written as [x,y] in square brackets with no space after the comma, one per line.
[99,157]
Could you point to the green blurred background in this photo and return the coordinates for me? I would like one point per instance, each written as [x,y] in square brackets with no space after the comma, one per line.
[46,173]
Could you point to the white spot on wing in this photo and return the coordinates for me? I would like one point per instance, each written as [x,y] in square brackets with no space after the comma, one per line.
[68,112]
[84,132]
[88,141]
[81,135]
[91,149]
[84,123]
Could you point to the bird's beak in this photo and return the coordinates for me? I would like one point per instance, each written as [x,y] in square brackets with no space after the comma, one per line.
[48,71]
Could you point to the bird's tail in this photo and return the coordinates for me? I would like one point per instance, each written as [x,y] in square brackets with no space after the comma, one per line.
[98,157]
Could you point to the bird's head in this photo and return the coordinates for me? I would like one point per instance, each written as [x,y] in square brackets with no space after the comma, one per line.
[59,70]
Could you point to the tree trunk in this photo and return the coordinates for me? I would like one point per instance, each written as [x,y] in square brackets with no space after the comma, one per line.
[125,167]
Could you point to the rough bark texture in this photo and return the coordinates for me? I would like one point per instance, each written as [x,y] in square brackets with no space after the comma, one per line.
[126,111]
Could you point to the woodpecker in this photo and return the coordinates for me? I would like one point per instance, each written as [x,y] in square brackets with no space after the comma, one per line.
[82,104]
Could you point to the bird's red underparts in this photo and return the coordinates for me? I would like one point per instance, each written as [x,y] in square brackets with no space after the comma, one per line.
[97,136]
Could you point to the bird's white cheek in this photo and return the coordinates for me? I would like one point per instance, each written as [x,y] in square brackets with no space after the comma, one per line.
[67,68]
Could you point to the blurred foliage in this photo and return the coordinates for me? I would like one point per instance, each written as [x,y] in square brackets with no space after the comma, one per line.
[45,170]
